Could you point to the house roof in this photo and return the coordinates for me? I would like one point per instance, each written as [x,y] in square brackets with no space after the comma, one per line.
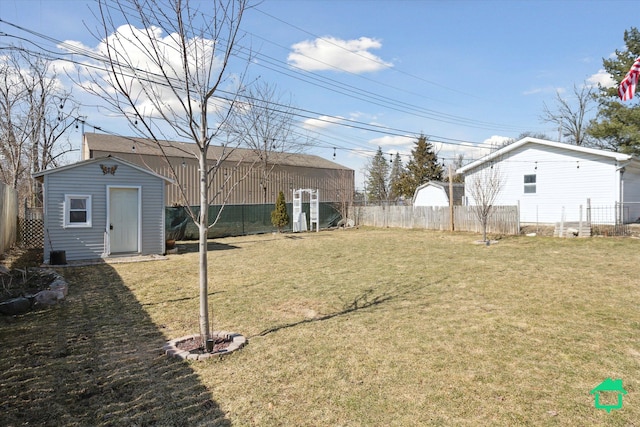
[458,189]
[122,144]
[40,175]
[609,385]
[528,140]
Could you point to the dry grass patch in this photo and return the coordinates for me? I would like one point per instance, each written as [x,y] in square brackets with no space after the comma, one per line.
[402,327]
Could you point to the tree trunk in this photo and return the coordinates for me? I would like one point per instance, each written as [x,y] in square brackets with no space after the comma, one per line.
[203,227]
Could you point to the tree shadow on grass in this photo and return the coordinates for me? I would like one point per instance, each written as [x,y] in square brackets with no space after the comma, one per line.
[189,246]
[361,302]
[96,360]
[367,299]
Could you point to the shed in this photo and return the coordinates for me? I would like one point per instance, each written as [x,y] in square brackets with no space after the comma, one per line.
[103,207]
[436,193]
[552,181]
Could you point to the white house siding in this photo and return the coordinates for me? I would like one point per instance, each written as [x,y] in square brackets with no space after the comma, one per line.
[89,179]
[631,197]
[431,195]
[564,179]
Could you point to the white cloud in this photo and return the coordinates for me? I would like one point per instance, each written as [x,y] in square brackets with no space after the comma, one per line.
[601,78]
[321,122]
[130,45]
[547,89]
[393,141]
[330,53]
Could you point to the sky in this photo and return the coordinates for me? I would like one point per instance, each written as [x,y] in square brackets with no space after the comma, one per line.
[364,74]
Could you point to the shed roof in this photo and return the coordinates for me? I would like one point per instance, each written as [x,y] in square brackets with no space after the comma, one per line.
[528,140]
[458,189]
[124,144]
[40,175]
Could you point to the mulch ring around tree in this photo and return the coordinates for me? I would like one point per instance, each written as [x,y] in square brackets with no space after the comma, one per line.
[192,347]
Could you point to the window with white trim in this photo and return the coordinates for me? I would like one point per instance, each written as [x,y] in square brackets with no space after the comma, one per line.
[77,210]
[530,184]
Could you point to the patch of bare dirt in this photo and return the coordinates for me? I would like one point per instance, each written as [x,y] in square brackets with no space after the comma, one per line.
[196,346]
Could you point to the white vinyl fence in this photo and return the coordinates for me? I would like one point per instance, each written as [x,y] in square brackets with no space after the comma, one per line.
[8,217]
[503,220]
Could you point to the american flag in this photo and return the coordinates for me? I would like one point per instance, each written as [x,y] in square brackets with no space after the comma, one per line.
[627,86]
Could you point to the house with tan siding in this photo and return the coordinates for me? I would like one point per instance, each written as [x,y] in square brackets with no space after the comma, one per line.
[240,168]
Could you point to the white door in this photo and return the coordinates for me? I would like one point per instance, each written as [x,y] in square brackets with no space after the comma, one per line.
[123,220]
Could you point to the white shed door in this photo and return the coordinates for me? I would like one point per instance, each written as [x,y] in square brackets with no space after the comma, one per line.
[123,220]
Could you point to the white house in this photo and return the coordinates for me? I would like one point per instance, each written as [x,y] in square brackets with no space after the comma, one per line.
[436,193]
[102,207]
[550,179]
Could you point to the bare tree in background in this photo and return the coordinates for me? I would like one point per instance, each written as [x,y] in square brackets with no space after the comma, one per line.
[35,115]
[344,199]
[264,122]
[483,187]
[569,117]
[170,72]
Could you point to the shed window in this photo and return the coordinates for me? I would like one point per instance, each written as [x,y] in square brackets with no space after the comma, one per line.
[77,211]
[529,184]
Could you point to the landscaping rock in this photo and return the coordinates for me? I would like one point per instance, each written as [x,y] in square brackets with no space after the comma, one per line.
[60,286]
[48,297]
[15,306]
[4,270]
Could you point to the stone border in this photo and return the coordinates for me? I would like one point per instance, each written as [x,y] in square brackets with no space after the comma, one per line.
[55,293]
[237,342]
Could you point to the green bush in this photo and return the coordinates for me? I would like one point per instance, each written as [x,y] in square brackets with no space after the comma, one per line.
[279,216]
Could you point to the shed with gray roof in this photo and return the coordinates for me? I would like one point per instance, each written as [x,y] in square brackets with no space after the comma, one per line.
[101,208]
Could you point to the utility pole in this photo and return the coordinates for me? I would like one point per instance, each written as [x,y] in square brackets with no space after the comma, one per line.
[451,224]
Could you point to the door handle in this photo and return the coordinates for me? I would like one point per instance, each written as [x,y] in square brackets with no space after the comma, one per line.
[110,226]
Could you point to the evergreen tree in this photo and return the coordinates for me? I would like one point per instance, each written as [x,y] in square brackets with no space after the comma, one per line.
[422,167]
[377,178]
[397,168]
[617,125]
[279,216]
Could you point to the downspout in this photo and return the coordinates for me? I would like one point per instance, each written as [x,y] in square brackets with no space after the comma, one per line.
[620,183]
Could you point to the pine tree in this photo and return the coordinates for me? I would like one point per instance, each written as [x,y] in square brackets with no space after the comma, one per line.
[279,216]
[397,168]
[422,167]
[617,126]
[377,178]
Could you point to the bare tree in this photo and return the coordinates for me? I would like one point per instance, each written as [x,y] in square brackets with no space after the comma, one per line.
[344,199]
[483,187]
[264,122]
[35,114]
[569,117]
[170,72]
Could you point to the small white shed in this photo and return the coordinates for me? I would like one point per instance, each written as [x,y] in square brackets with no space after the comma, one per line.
[552,181]
[436,193]
[102,207]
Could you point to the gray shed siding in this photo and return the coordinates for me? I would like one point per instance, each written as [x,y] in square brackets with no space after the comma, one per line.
[89,179]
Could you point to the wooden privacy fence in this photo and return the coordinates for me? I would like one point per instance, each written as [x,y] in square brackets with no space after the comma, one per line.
[503,220]
[8,217]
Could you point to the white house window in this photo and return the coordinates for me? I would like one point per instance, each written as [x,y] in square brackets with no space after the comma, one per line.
[77,211]
[529,184]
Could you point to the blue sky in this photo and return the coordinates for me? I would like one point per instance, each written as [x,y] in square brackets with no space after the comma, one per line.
[464,73]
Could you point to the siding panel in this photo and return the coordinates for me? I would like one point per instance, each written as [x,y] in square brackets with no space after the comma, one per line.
[563,180]
[89,179]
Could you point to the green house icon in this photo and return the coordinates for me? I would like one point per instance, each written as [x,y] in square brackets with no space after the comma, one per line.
[609,386]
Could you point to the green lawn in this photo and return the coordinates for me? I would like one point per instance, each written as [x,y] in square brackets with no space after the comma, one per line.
[346,328]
